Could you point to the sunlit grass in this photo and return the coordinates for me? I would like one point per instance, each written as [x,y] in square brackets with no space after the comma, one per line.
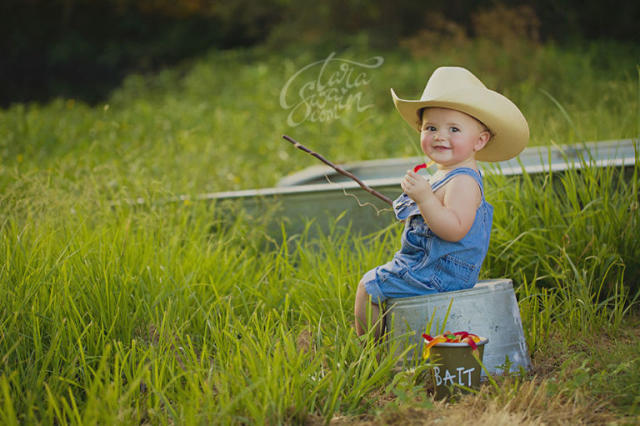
[190,313]
[219,117]
[148,315]
[180,313]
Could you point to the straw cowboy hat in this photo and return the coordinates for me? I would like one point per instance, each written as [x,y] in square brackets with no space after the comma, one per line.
[456,88]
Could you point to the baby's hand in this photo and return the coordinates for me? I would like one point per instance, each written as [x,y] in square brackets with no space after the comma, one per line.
[416,187]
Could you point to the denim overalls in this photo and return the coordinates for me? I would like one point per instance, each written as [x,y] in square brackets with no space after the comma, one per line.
[426,263]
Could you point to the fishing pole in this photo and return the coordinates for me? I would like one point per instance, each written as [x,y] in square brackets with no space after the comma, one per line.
[339,170]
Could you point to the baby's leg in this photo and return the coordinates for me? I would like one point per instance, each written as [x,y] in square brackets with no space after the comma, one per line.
[364,304]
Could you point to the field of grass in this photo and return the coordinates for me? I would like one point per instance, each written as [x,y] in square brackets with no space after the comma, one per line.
[168,313]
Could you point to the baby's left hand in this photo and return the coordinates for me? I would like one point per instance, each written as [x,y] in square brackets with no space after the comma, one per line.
[416,187]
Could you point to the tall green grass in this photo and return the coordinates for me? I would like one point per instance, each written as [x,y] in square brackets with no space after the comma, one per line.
[215,123]
[147,316]
[570,240]
[178,313]
[185,313]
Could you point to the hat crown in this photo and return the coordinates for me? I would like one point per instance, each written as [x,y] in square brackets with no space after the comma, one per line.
[445,80]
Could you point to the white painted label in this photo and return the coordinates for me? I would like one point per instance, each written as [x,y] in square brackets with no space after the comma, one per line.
[449,379]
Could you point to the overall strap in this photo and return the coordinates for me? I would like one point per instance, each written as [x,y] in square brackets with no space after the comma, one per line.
[460,171]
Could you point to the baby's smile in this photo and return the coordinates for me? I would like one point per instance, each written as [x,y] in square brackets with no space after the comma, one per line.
[441,147]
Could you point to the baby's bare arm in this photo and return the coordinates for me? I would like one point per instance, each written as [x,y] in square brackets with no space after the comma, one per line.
[451,218]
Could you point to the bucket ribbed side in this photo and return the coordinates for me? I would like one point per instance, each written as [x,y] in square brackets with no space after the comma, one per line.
[488,309]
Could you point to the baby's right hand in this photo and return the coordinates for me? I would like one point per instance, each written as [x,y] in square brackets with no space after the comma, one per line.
[416,187]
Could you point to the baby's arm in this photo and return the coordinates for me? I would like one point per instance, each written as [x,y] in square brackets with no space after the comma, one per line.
[452,218]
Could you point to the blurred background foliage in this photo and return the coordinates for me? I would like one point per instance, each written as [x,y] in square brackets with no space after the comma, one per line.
[84,48]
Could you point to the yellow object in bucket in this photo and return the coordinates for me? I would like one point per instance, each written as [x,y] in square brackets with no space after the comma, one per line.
[449,337]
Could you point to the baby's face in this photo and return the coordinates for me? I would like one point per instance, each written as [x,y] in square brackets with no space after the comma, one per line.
[451,138]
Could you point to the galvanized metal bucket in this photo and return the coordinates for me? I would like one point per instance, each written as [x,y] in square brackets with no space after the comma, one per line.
[489,309]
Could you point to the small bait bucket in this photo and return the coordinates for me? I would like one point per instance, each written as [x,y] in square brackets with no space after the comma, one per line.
[456,368]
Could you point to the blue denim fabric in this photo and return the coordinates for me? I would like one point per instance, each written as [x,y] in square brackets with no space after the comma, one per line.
[426,263]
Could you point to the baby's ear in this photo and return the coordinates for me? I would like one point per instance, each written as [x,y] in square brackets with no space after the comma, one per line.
[482,141]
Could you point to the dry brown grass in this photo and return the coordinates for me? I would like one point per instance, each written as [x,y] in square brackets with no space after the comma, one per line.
[530,403]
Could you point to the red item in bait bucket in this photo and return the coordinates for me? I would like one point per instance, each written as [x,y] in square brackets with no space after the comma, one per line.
[449,337]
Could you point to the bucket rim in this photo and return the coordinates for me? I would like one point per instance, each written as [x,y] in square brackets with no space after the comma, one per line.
[482,342]
[489,286]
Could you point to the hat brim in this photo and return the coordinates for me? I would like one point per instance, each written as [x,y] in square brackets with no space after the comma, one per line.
[507,124]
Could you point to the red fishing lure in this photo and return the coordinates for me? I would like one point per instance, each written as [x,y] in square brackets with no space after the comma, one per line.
[449,337]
